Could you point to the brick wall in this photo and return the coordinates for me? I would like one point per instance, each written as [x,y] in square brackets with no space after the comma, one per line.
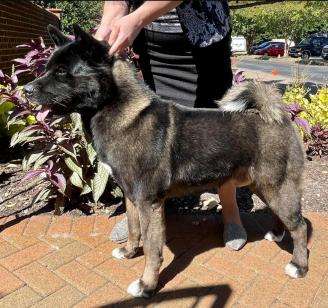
[21,21]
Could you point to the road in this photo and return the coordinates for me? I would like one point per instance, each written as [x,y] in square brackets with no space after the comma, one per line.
[311,73]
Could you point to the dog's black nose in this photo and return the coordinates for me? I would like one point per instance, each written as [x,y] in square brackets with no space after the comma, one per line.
[28,89]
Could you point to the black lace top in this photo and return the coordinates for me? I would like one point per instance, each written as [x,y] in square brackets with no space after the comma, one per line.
[203,21]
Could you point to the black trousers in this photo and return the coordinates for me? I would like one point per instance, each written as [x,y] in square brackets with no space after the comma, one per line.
[177,71]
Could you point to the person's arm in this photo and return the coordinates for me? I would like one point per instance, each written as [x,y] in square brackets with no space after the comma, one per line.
[113,10]
[125,30]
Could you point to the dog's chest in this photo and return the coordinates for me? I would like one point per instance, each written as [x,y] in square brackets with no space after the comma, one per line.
[109,148]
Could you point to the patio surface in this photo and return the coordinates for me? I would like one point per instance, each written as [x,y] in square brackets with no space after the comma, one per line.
[66,261]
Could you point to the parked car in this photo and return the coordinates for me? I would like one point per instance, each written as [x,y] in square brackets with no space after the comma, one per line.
[324,53]
[254,47]
[272,49]
[311,46]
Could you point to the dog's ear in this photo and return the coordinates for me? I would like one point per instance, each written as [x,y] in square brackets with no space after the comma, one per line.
[57,37]
[91,46]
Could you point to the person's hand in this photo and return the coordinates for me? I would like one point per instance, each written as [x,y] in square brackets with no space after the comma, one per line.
[105,28]
[124,31]
[113,11]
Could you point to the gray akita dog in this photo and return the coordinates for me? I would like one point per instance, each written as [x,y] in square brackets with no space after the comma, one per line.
[158,149]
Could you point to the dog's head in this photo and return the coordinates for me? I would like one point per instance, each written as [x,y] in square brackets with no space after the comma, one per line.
[77,76]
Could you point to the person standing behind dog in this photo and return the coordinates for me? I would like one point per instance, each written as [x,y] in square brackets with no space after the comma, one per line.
[181,46]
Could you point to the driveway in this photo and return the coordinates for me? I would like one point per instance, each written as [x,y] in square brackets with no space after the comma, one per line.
[309,73]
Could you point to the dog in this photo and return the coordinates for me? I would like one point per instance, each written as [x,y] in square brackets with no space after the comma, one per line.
[157,149]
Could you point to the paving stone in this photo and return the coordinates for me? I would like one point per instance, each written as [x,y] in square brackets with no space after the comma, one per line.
[23,297]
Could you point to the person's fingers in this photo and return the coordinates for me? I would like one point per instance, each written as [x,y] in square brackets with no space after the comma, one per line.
[118,46]
[102,34]
[113,35]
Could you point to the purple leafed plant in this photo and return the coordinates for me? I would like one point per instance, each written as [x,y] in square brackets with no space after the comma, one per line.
[237,77]
[59,149]
[57,179]
[7,80]
[11,93]
[318,141]
[35,60]
[294,111]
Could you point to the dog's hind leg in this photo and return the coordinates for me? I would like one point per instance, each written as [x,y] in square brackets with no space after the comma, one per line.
[277,232]
[152,223]
[132,245]
[286,204]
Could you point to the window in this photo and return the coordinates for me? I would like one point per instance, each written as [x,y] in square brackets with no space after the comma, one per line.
[305,41]
[317,41]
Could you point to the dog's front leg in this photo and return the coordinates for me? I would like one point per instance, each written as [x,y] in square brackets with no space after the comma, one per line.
[153,233]
[132,245]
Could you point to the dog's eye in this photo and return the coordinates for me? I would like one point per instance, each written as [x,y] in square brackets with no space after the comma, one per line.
[61,71]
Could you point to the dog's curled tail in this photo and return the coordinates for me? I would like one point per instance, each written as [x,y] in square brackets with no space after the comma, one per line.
[265,98]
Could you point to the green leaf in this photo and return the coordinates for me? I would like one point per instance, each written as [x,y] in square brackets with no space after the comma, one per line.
[6,106]
[117,192]
[70,152]
[76,121]
[99,181]
[31,139]
[59,204]
[73,166]
[91,153]
[42,195]
[86,190]
[20,137]
[40,161]
[31,158]
[76,180]
[16,121]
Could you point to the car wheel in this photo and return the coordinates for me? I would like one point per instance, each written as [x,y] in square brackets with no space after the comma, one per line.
[305,55]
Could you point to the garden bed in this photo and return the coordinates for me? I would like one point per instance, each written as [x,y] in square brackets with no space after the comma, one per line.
[17,196]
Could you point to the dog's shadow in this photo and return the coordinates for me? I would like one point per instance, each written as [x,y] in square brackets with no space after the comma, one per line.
[207,230]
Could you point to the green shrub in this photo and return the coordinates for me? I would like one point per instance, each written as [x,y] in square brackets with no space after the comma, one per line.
[311,109]
[317,108]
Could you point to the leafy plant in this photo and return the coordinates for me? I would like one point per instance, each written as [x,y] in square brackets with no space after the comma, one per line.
[60,151]
[8,94]
[295,111]
[318,108]
[318,143]
[35,60]
[288,20]
[63,154]
[311,116]
[237,77]
[315,106]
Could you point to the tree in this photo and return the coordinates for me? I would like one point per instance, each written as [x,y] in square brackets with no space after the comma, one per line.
[84,13]
[250,23]
[288,20]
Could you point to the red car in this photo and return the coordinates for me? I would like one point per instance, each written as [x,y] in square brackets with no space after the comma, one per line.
[272,49]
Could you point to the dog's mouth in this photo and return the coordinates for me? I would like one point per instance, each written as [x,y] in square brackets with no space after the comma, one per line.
[55,107]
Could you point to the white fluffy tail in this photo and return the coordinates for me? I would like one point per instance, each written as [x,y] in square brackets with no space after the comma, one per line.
[265,98]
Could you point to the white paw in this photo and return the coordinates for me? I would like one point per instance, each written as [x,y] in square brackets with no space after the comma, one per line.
[136,289]
[118,253]
[292,271]
[274,238]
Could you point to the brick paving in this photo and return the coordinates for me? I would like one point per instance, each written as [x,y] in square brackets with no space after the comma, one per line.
[66,261]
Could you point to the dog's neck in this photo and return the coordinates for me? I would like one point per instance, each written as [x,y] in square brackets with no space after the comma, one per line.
[132,96]
[128,98]
[129,85]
